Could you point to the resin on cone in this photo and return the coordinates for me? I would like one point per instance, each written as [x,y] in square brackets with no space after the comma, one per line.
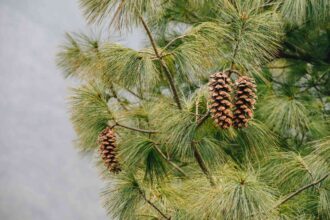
[220,87]
[245,99]
[108,152]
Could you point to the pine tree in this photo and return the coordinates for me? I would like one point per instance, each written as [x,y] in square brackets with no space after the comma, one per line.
[273,159]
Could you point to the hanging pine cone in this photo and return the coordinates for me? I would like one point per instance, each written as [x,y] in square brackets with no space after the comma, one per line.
[245,98]
[220,99]
[107,150]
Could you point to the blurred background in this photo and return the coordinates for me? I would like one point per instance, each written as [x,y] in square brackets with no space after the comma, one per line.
[42,176]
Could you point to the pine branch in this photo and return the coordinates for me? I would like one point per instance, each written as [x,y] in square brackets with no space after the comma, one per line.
[203,119]
[154,146]
[163,64]
[115,95]
[135,129]
[152,204]
[297,192]
[202,164]
[238,40]
[197,154]
[162,55]
[170,162]
[134,93]
[234,53]
[171,42]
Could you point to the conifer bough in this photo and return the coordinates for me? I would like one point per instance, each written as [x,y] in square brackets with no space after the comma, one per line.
[220,87]
[108,151]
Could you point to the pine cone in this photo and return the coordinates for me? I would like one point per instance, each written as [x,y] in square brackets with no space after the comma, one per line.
[220,99]
[245,99]
[107,150]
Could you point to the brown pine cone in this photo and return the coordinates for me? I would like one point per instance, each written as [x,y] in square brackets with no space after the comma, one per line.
[107,150]
[245,99]
[220,87]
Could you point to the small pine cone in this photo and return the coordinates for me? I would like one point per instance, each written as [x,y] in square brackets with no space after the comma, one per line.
[107,150]
[220,99]
[245,98]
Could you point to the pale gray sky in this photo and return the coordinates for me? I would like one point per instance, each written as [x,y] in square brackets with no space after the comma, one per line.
[42,177]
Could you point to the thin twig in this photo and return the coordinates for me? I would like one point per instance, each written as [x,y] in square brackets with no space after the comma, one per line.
[161,56]
[203,119]
[197,154]
[112,89]
[135,129]
[134,93]
[152,204]
[154,146]
[297,192]
[202,164]
[115,95]
[172,41]
[163,64]
[238,41]
[170,162]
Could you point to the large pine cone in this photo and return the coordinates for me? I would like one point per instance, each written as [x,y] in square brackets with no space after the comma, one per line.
[220,87]
[107,150]
[245,99]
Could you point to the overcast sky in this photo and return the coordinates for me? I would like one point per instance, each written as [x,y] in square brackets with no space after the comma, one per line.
[42,177]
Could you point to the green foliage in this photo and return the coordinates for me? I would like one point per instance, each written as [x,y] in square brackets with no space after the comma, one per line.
[176,163]
[255,142]
[137,151]
[89,114]
[322,148]
[177,128]
[129,67]
[323,206]
[198,50]
[285,114]
[123,13]
[298,12]
[122,197]
[77,54]
[288,169]
[240,195]
[256,33]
